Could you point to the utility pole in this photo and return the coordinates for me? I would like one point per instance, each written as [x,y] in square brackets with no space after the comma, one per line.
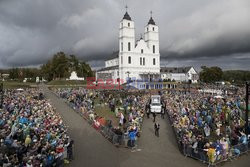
[1,95]
[247,111]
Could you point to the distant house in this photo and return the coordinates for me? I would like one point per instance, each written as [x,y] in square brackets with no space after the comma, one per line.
[180,74]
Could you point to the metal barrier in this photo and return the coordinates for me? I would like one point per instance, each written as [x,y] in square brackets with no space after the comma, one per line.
[202,155]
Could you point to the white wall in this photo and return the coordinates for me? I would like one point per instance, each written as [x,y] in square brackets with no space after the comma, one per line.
[112,62]
[190,74]
[151,33]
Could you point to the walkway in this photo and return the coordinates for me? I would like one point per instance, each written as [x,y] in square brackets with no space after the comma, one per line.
[93,150]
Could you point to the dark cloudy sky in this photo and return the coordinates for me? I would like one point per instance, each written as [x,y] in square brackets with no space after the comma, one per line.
[192,32]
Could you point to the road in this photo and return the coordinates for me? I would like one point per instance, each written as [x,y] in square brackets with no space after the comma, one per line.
[93,150]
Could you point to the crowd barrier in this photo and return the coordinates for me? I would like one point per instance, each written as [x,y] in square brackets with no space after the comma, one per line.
[107,131]
[230,154]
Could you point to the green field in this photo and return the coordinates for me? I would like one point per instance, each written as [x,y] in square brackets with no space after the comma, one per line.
[16,84]
[104,111]
[64,83]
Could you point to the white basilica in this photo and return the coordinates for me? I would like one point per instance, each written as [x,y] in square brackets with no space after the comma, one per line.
[136,59]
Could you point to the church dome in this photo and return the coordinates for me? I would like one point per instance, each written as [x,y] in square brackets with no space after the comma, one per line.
[126,16]
[151,21]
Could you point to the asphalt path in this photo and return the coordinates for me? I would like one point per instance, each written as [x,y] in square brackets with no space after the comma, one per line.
[93,150]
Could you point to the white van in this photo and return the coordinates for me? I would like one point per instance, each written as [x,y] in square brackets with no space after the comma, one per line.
[155,105]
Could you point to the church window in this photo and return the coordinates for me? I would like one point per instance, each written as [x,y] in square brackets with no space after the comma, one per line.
[147,29]
[122,46]
[121,60]
[140,60]
[141,50]
[144,61]
[153,48]
[153,29]
[128,24]
[129,47]
[153,61]
[129,60]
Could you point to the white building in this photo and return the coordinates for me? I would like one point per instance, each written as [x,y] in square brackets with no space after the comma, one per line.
[180,74]
[136,60]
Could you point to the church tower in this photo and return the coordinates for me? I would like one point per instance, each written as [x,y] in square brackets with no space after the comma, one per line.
[126,45]
[126,34]
[151,34]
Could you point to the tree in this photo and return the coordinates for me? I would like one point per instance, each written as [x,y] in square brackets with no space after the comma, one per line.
[14,73]
[211,74]
[236,76]
[61,65]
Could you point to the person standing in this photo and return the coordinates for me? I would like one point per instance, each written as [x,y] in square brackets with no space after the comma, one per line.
[157,127]
[162,113]
[70,150]
[154,115]
[148,113]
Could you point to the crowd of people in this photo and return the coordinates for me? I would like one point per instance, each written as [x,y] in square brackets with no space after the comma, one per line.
[128,107]
[209,128]
[32,134]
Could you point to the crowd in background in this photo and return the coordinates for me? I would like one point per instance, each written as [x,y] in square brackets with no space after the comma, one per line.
[208,127]
[31,132]
[128,108]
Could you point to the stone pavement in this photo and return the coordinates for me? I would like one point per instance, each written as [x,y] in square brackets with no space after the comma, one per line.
[93,150]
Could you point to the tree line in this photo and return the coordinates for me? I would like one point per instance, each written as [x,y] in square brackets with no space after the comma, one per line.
[216,74]
[58,67]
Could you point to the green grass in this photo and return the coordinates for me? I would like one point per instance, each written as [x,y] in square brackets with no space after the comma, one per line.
[66,83]
[104,111]
[16,84]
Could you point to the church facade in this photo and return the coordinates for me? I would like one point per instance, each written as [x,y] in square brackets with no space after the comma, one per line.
[136,59]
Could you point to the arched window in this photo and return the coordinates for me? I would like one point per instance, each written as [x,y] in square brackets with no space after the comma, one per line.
[140,60]
[144,61]
[153,61]
[129,47]
[153,29]
[122,46]
[153,48]
[128,24]
[129,60]
[141,50]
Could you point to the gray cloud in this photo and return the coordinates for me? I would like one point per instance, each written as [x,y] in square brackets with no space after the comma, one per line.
[192,32]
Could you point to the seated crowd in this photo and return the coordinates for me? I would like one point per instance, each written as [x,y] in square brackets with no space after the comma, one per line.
[208,128]
[31,132]
[128,109]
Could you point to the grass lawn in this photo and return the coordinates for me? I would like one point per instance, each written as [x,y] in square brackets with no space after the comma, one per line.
[16,84]
[104,111]
[66,84]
